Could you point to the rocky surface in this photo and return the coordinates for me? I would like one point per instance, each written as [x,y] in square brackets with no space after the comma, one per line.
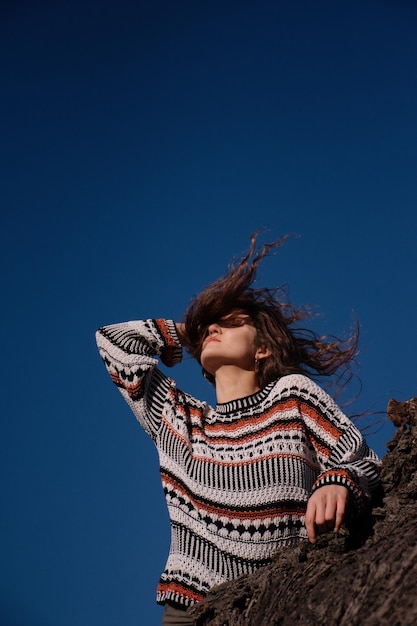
[365,576]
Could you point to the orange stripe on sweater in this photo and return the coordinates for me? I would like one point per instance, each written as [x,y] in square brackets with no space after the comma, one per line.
[198,432]
[336,472]
[260,514]
[182,590]
[278,454]
[279,408]
[163,327]
[249,437]
[320,447]
[321,421]
[252,420]
[132,390]
[266,457]
[116,379]
[208,434]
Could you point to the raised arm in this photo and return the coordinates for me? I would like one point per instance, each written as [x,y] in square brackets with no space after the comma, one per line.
[129,352]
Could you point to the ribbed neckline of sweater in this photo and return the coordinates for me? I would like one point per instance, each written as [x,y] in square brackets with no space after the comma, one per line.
[225,408]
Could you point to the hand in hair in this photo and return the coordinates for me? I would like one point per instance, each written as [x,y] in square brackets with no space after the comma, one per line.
[326,510]
[181,331]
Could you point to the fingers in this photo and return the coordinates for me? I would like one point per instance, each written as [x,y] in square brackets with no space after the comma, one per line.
[180,331]
[326,510]
[340,513]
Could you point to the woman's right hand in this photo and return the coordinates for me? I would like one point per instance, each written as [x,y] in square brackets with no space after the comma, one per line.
[180,331]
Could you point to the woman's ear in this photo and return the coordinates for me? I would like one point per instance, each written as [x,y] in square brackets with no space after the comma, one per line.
[262,353]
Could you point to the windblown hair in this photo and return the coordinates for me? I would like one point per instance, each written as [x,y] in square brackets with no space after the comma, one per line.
[293,350]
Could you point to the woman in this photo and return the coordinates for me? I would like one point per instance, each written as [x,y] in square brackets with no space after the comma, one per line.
[274,463]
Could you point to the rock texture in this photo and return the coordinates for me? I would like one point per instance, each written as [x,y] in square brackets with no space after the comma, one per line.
[365,576]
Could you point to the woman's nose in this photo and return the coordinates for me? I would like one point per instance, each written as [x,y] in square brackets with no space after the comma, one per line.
[213,329]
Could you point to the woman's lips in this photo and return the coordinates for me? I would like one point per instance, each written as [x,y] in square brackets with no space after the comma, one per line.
[211,339]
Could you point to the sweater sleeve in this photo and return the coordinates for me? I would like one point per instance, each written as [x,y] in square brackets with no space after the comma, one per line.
[129,352]
[341,450]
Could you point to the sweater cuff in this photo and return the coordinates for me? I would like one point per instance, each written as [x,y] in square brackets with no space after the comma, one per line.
[171,352]
[357,502]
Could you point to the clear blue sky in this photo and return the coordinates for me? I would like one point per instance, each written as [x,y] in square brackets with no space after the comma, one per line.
[141,143]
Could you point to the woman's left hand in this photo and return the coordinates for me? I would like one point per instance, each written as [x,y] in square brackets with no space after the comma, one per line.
[326,510]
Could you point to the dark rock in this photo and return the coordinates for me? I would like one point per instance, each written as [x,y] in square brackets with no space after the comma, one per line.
[363,576]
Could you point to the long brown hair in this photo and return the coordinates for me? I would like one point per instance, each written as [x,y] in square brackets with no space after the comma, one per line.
[293,350]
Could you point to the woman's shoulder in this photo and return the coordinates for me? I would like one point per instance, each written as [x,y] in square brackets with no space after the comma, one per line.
[304,389]
[298,385]
[295,380]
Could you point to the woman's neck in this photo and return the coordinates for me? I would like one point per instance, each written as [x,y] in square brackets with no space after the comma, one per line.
[233,383]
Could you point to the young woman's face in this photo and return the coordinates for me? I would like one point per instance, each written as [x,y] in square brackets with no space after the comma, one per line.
[231,341]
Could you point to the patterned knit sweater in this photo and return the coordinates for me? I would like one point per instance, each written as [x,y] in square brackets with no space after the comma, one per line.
[236,478]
